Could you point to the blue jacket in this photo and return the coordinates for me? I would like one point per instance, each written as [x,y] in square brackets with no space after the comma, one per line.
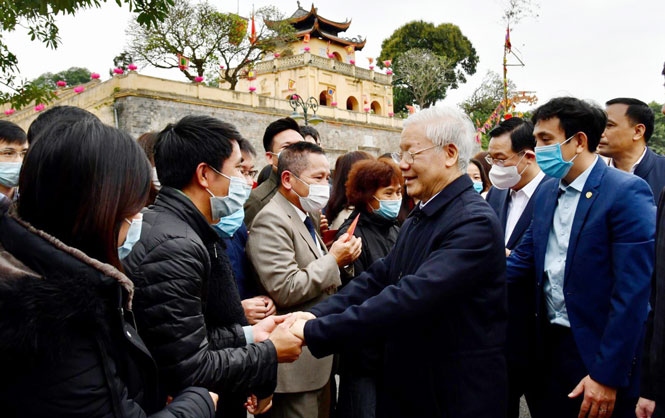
[652,170]
[438,299]
[608,270]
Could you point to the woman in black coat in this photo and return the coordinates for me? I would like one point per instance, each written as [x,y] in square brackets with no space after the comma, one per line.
[374,188]
[68,346]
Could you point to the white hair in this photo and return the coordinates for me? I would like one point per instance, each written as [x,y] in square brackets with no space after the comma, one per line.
[446,125]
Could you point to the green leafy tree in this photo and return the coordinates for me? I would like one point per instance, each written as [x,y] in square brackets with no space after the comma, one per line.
[38,16]
[657,140]
[121,60]
[485,99]
[73,76]
[445,41]
[422,75]
[207,38]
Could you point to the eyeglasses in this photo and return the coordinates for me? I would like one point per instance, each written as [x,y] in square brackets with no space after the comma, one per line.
[408,156]
[500,162]
[11,153]
[250,173]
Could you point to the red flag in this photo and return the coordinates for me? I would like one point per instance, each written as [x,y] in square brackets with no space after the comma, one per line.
[508,45]
[252,36]
[305,39]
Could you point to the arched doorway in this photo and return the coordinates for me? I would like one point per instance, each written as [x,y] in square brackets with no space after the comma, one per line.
[376,108]
[352,104]
[323,98]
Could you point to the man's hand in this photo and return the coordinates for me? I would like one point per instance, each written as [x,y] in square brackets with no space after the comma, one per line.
[303,315]
[598,399]
[288,346]
[258,308]
[264,327]
[645,408]
[323,224]
[298,328]
[258,406]
[346,252]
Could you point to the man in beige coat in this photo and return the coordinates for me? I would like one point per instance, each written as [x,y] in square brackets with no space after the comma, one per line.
[296,271]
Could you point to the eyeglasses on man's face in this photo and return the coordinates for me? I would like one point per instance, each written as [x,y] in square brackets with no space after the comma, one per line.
[500,162]
[7,154]
[408,156]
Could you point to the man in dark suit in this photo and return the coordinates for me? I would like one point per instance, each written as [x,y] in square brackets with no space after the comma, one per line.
[652,390]
[591,256]
[278,135]
[630,123]
[515,178]
[438,299]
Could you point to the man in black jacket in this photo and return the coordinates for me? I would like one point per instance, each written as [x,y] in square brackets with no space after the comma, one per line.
[630,123]
[187,304]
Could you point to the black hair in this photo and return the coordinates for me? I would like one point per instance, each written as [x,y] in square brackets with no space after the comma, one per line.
[311,131]
[293,158]
[62,115]
[278,126]
[483,174]
[575,116]
[521,133]
[193,140]
[637,112]
[12,133]
[338,200]
[247,147]
[78,183]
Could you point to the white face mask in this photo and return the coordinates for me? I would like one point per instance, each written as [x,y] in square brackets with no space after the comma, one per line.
[133,235]
[317,198]
[9,173]
[505,177]
[155,179]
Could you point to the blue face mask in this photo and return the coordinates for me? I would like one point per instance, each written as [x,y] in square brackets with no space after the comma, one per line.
[388,209]
[133,235]
[9,174]
[228,225]
[478,186]
[550,160]
[221,206]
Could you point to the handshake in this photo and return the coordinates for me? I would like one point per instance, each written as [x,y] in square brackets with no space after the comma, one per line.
[286,333]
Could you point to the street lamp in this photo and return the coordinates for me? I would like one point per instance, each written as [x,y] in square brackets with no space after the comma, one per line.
[311,104]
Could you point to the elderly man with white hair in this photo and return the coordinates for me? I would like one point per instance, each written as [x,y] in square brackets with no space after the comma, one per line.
[438,299]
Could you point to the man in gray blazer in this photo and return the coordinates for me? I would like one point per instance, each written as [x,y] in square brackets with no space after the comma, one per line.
[297,271]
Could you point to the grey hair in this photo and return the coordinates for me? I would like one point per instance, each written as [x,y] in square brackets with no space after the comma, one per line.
[446,125]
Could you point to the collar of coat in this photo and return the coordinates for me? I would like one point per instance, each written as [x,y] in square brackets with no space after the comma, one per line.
[181,206]
[455,188]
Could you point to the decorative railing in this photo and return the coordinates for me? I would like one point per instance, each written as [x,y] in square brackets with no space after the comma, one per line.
[323,63]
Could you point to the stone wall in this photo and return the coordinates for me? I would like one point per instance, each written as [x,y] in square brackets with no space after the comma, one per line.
[139,104]
[140,114]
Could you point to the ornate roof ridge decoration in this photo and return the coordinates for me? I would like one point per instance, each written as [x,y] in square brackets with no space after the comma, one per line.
[302,18]
[317,31]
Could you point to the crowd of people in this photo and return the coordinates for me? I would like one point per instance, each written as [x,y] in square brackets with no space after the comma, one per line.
[165,277]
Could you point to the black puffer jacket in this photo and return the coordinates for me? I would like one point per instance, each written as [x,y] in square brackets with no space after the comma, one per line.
[171,266]
[65,348]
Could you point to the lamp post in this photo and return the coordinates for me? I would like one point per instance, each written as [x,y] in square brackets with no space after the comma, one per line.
[306,105]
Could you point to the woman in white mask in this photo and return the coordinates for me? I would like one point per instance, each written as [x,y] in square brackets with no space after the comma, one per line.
[374,188]
[65,305]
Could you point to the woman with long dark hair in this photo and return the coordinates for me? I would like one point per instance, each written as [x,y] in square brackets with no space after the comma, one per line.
[338,208]
[67,342]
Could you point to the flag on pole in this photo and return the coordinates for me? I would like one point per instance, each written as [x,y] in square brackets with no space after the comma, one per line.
[508,45]
[305,39]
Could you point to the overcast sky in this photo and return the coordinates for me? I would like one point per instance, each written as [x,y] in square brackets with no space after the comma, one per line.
[591,49]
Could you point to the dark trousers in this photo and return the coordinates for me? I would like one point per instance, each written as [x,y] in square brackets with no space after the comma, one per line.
[519,383]
[561,370]
[357,396]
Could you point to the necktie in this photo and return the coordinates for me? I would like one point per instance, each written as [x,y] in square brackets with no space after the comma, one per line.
[310,228]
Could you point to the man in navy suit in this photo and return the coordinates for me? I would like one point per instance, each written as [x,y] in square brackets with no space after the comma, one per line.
[437,300]
[630,123]
[590,251]
[515,178]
